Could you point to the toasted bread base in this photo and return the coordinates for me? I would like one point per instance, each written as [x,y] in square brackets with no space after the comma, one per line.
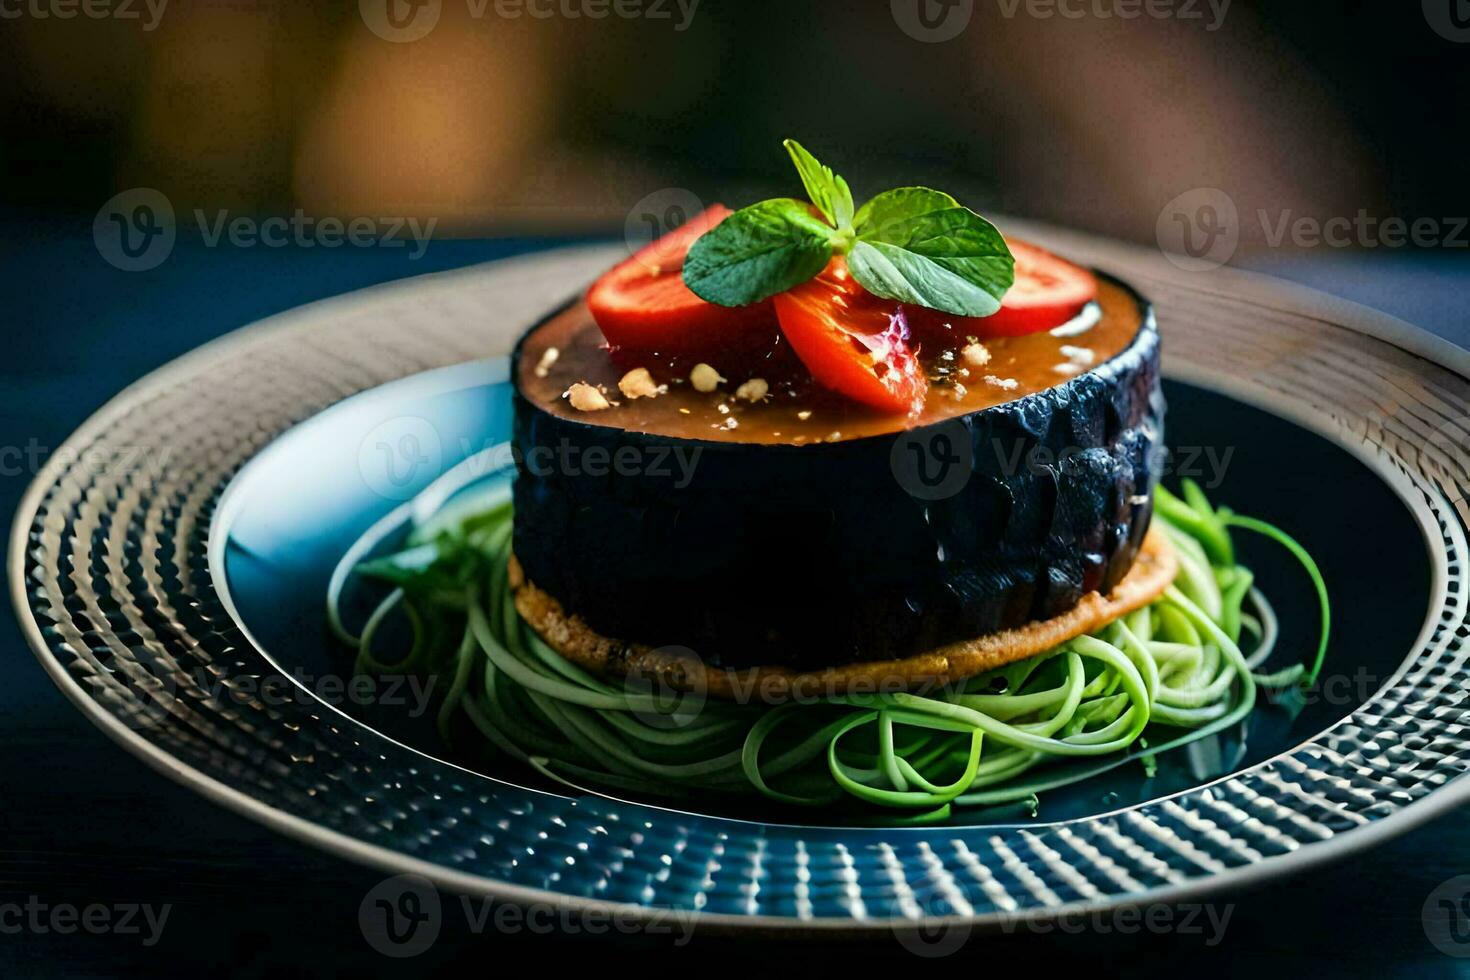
[679,669]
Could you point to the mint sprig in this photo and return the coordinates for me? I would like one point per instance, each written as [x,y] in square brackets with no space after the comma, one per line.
[827,191]
[913,244]
[760,251]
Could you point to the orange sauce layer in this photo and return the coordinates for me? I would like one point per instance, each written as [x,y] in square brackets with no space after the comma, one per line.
[795,410]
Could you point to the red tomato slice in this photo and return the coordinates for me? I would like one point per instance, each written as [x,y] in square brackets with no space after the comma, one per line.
[1048,292]
[642,303]
[853,342]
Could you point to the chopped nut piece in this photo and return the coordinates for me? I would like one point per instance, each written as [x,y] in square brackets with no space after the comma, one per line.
[1078,355]
[976,355]
[835,437]
[585,398]
[753,390]
[705,378]
[960,391]
[548,358]
[638,383]
[1005,384]
[804,415]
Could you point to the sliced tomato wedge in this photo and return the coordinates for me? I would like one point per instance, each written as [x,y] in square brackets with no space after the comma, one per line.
[1048,292]
[643,304]
[853,342]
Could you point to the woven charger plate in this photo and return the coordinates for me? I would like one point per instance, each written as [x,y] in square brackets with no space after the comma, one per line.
[110,576]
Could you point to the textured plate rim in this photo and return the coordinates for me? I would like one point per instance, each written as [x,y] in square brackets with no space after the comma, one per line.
[1288,297]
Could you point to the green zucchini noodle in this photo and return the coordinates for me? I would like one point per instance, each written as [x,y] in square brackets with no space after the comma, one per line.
[1180,669]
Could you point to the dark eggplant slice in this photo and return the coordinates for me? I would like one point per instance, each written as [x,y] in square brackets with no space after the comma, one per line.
[820,555]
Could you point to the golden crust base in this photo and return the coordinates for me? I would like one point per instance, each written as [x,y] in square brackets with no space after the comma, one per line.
[1152,571]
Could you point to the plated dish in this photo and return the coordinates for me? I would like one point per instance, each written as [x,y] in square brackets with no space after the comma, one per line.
[795,613]
[181,610]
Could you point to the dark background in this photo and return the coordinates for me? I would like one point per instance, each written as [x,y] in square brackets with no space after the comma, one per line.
[518,134]
[494,125]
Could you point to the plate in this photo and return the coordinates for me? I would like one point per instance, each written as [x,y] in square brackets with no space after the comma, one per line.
[167,564]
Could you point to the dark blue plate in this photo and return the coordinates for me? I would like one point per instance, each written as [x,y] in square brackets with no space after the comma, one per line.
[290,516]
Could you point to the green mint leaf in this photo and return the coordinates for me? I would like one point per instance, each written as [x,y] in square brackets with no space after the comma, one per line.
[961,286]
[827,191]
[892,208]
[758,252]
[917,246]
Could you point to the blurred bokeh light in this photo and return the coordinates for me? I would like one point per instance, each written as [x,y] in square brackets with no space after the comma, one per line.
[497,125]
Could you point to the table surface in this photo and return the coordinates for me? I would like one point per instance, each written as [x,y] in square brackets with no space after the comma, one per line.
[83,822]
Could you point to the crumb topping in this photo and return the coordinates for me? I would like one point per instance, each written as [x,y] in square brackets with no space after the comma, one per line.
[753,390]
[705,379]
[638,383]
[975,354]
[585,398]
[548,358]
